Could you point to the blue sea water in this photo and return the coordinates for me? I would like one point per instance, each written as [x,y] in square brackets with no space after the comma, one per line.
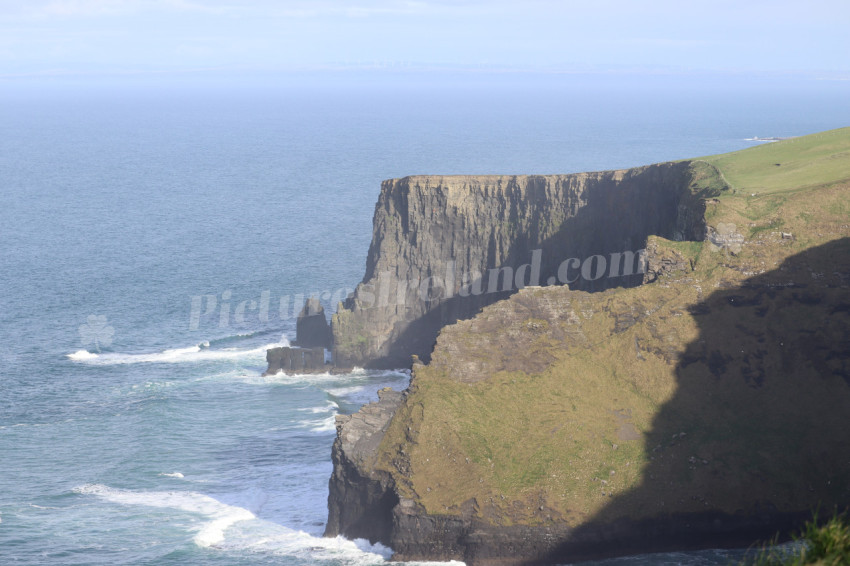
[155,240]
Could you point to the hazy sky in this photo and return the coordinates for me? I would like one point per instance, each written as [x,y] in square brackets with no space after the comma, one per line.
[121,36]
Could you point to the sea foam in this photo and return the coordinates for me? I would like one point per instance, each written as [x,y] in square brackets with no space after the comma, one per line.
[210,533]
[232,528]
[82,355]
[199,353]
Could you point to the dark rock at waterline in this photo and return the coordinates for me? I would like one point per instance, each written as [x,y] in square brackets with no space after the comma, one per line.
[295,360]
[361,499]
[417,535]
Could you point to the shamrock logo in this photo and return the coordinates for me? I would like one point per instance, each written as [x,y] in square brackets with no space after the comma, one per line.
[726,238]
[96,331]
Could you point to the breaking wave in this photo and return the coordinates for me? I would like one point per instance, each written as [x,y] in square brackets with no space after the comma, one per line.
[198,353]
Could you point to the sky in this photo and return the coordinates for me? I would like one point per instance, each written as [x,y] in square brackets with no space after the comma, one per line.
[89,37]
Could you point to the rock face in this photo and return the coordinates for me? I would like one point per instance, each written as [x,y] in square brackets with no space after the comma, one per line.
[422,537]
[661,262]
[295,360]
[444,247]
[361,499]
[312,329]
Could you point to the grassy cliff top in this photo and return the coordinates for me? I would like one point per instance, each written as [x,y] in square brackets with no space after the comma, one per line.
[722,386]
[786,165]
[768,167]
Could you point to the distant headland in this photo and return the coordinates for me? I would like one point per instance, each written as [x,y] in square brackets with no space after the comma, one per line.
[768,139]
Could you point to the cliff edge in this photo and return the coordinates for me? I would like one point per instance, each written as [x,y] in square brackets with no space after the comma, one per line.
[444,247]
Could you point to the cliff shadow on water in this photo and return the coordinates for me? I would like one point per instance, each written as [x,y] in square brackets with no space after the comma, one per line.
[591,240]
[755,436]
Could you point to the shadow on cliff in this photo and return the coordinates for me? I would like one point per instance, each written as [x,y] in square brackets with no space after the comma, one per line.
[756,434]
[617,217]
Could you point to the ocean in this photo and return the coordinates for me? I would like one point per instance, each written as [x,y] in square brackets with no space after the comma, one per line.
[157,237]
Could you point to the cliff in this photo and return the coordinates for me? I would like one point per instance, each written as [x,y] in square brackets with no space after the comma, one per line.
[362,498]
[705,407]
[444,247]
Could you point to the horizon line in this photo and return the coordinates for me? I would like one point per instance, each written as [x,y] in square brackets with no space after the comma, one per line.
[427,68]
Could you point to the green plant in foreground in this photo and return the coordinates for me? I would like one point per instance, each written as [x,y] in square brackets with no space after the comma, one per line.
[828,545]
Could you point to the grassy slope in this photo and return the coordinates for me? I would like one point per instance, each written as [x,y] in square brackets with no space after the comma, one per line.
[619,376]
[789,164]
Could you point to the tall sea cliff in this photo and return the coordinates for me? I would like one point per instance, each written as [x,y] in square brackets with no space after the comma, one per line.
[696,400]
[443,247]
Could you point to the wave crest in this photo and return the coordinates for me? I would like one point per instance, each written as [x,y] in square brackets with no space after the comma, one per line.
[193,354]
[210,533]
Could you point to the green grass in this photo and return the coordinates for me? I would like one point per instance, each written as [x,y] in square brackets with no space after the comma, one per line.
[706,180]
[827,544]
[687,248]
[788,164]
[774,224]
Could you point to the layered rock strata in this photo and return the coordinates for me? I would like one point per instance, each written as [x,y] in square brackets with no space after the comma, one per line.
[444,247]
[362,499]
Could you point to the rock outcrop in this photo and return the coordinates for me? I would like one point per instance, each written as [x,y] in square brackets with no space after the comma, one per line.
[362,499]
[311,328]
[295,360]
[444,247]
[661,262]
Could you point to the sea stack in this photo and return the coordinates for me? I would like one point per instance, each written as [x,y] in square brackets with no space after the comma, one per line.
[312,329]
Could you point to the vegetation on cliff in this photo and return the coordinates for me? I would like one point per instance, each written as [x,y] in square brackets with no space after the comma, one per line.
[709,402]
[827,544]
[721,387]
